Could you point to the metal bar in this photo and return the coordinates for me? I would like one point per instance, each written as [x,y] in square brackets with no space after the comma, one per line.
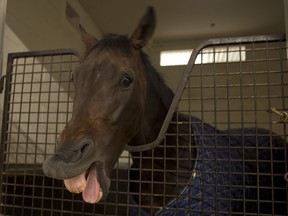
[5,118]
[3,6]
[45,53]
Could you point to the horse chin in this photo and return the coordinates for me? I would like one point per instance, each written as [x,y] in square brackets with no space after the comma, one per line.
[93,184]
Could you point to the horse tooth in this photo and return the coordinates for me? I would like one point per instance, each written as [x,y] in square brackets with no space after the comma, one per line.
[81,189]
[78,190]
[100,195]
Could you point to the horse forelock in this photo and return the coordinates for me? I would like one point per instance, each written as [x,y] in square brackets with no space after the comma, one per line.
[117,44]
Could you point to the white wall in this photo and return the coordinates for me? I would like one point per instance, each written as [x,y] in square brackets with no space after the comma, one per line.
[42,24]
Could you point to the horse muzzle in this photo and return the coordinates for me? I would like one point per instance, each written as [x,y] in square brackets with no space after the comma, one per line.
[80,171]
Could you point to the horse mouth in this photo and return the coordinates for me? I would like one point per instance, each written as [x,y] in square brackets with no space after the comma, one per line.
[93,183]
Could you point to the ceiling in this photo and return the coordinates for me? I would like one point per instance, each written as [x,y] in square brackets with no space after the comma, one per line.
[190,19]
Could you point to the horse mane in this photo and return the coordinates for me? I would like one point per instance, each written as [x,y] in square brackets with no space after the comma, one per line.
[164,92]
[120,44]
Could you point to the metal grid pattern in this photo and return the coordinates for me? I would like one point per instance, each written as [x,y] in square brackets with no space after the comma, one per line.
[38,94]
[224,96]
[237,97]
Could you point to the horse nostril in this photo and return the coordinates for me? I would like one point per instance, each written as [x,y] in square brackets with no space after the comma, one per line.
[72,156]
[67,155]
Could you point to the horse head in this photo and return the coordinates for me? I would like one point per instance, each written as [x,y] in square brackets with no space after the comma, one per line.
[107,111]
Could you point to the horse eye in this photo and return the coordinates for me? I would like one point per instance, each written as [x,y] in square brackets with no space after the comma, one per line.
[126,81]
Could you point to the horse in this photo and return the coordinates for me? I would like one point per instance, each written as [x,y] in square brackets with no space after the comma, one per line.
[121,99]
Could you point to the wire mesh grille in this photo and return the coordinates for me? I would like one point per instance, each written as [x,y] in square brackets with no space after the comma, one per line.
[236,98]
[224,102]
[38,101]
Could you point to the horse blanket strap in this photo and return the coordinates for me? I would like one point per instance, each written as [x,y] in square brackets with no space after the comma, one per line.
[219,173]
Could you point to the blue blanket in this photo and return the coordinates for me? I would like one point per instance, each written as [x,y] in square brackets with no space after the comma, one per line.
[225,172]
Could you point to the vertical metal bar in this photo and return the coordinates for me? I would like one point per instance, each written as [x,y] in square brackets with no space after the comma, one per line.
[5,120]
[269,105]
[19,129]
[3,6]
[38,125]
[283,83]
[286,24]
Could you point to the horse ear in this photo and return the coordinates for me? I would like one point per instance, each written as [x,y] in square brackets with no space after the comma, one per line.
[144,30]
[88,39]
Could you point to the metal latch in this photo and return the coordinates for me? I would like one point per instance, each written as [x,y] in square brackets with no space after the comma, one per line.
[283,115]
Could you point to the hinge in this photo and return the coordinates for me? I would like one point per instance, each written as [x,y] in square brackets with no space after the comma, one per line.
[2,83]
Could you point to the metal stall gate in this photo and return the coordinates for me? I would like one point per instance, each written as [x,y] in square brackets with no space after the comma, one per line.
[230,86]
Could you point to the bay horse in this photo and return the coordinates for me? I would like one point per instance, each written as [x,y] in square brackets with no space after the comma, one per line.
[120,99]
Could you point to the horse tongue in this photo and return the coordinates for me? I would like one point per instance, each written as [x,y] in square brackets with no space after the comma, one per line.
[92,194]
